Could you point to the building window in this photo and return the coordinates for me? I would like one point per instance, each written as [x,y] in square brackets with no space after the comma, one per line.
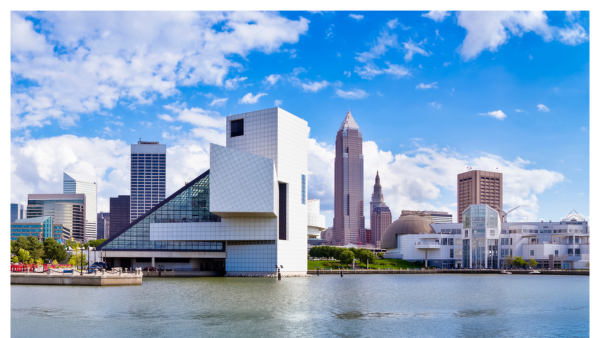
[569,251]
[450,241]
[555,252]
[511,241]
[451,253]
[492,232]
[444,241]
[303,189]
[237,128]
[466,233]
[531,253]
[578,251]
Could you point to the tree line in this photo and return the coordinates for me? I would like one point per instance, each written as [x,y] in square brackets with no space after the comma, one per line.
[31,250]
[518,261]
[344,255]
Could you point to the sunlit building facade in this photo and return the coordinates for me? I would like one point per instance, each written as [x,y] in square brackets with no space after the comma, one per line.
[84,184]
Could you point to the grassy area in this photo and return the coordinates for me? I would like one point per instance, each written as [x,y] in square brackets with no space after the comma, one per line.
[379,264]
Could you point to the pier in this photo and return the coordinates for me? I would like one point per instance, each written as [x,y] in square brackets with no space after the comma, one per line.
[105,278]
[439,271]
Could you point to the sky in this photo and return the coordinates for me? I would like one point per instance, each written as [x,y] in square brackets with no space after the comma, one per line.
[432,92]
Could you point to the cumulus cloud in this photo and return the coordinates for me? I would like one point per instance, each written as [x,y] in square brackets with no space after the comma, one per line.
[392,23]
[437,16]
[272,79]
[543,108]
[278,103]
[351,94]
[357,17]
[370,70]
[411,48]
[218,102]
[107,57]
[251,99]
[489,30]
[424,86]
[234,83]
[314,86]
[498,114]
[435,105]
[420,179]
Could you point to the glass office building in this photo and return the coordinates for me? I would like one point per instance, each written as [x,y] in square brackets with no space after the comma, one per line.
[40,227]
[84,184]
[481,233]
[148,172]
[16,212]
[67,212]
[119,214]
[189,204]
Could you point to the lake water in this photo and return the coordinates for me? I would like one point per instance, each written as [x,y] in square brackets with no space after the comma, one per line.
[443,305]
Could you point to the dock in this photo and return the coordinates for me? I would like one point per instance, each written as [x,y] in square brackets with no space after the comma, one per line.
[440,271]
[58,278]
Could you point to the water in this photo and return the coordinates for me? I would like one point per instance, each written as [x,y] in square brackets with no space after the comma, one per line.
[354,306]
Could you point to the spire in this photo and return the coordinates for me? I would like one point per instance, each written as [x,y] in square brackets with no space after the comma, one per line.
[377,196]
[349,122]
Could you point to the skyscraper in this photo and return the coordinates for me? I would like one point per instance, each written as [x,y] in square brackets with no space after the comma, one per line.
[119,214]
[84,184]
[16,211]
[478,187]
[67,211]
[148,172]
[381,216]
[349,219]
[103,224]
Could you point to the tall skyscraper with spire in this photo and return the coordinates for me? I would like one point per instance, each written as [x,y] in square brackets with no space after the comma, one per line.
[381,216]
[349,219]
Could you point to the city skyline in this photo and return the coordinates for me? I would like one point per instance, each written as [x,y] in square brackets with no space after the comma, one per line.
[430,98]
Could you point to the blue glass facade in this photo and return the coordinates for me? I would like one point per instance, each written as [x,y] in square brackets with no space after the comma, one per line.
[303,189]
[189,204]
[40,227]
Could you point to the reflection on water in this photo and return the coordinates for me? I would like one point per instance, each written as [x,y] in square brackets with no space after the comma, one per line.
[353,306]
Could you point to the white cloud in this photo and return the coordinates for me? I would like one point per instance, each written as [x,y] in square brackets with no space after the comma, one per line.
[489,30]
[573,36]
[437,16]
[446,64]
[166,117]
[351,94]
[543,108]
[370,70]
[392,23]
[379,47]
[329,32]
[421,179]
[314,86]
[411,48]
[107,57]
[234,83]
[496,114]
[357,17]
[424,86]
[250,99]
[218,102]
[435,105]
[272,79]
[519,110]
[347,73]
[278,103]
[209,125]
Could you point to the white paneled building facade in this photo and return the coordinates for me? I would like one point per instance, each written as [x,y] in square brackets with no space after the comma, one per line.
[481,241]
[246,215]
[316,221]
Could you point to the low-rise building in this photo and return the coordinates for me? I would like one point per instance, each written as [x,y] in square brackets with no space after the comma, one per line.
[482,241]
[40,227]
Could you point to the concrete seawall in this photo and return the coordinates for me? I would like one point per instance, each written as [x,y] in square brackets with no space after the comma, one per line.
[75,279]
[439,271]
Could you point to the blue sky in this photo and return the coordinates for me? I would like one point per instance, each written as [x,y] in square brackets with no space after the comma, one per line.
[432,93]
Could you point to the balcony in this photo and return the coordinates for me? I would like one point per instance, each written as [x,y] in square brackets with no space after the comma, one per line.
[427,245]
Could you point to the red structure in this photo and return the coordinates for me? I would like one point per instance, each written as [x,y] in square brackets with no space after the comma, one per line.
[368,235]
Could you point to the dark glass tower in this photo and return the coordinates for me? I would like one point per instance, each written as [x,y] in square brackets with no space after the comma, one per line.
[119,214]
[349,219]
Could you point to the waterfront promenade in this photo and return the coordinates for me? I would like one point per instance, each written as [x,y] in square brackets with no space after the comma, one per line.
[447,271]
[60,278]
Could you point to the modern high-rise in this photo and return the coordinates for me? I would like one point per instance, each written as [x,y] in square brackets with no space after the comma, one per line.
[84,184]
[16,211]
[67,211]
[103,225]
[381,216]
[349,219]
[119,214]
[148,172]
[478,187]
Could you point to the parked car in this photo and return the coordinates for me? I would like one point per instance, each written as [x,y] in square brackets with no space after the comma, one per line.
[149,268]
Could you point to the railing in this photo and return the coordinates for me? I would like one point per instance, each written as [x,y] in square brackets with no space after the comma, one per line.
[32,267]
[427,244]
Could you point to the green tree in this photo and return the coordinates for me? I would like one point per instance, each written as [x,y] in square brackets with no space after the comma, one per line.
[346,257]
[364,255]
[54,262]
[14,259]
[507,260]
[95,242]
[23,255]
[31,244]
[39,261]
[76,259]
[54,250]
[380,255]
[519,261]
[532,262]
